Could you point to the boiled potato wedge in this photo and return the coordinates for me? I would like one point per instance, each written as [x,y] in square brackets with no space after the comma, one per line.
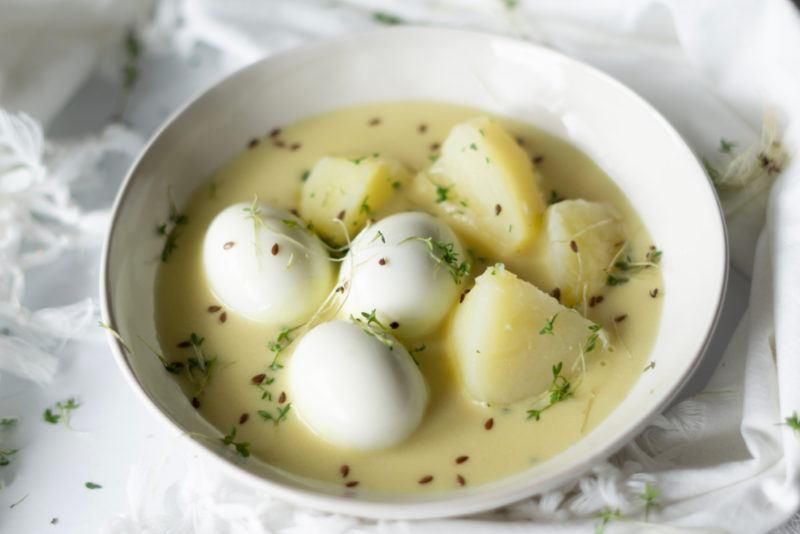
[349,190]
[579,243]
[500,337]
[485,186]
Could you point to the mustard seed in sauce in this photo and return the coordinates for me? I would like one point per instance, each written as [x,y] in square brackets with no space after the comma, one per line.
[214,309]
[295,146]
[184,344]
[196,403]
[344,470]
[620,318]
[275,133]
[574,246]
[229,245]
[340,215]
[654,292]
[422,128]
[253,143]
[462,459]
[352,484]
[427,479]
[374,121]
[489,423]
[460,480]
[223,317]
[394,325]
[556,294]
[243,418]
[382,261]
[435,146]
[275,249]
[497,209]
[257,379]
[538,159]
[282,397]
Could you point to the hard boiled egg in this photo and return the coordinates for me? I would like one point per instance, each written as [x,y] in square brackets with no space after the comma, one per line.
[409,268]
[356,386]
[261,262]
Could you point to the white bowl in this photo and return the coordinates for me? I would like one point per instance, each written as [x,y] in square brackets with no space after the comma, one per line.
[633,143]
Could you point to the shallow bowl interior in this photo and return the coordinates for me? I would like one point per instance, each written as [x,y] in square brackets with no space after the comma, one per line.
[624,135]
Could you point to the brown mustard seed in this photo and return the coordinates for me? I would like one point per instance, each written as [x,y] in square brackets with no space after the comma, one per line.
[214,308]
[489,423]
[282,397]
[538,159]
[520,141]
[195,403]
[295,146]
[592,301]
[574,246]
[460,480]
[556,294]
[352,484]
[257,379]
[620,318]
[344,470]
[464,294]
[497,209]
[294,212]
[229,245]
[340,215]
[275,133]
[394,325]
[184,344]
[280,143]
[374,121]
[243,418]
[462,459]
[598,299]
[435,146]
[275,249]
[223,317]
[340,289]
[253,143]
[382,261]
[427,479]
[422,128]
[654,292]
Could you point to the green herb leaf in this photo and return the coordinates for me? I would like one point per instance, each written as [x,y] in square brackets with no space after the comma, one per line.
[444,253]
[793,422]
[62,412]
[650,497]
[606,515]
[442,192]
[560,389]
[92,486]
[241,447]
[725,146]
[548,325]
[386,18]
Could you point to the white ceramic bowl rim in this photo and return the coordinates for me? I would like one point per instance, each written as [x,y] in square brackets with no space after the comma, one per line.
[453,503]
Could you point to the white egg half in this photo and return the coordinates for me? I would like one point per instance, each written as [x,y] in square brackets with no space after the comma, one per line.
[353,390]
[392,268]
[268,268]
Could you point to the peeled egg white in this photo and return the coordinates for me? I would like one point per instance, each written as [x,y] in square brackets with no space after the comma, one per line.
[272,271]
[390,269]
[353,390]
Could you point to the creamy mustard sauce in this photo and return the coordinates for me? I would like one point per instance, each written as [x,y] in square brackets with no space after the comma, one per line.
[454,425]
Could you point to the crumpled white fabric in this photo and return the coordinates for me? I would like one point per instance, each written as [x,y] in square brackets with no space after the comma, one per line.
[721,459]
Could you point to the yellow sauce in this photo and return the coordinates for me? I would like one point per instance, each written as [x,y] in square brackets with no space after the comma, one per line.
[454,425]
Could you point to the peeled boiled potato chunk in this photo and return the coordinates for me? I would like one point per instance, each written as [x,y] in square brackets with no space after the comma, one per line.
[496,336]
[579,270]
[486,186]
[349,190]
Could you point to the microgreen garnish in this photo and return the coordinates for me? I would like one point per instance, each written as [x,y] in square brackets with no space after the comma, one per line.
[242,447]
[280,415]
[396,185]
[496,267]
[591,341]
[417,350]
[793,422]
[386,18]
[371,326]
[433,157]
[92,485]
[116,335]
[650,497]
[358,161]
[511,4]
[554,198]
[379,235]
[305,175]
[61,412]
[133,50]
[169,229]
[622,266]
[442,192]
[548,325]
[364,208]
[289,223]
[725,146]
[473,146]
[4,454]
[560,389]
[253,212]
[279,344]
[8,422]
[200,364]
[445,253]
[606,515]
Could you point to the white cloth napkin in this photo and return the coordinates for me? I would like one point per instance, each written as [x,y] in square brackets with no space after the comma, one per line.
[721,459]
